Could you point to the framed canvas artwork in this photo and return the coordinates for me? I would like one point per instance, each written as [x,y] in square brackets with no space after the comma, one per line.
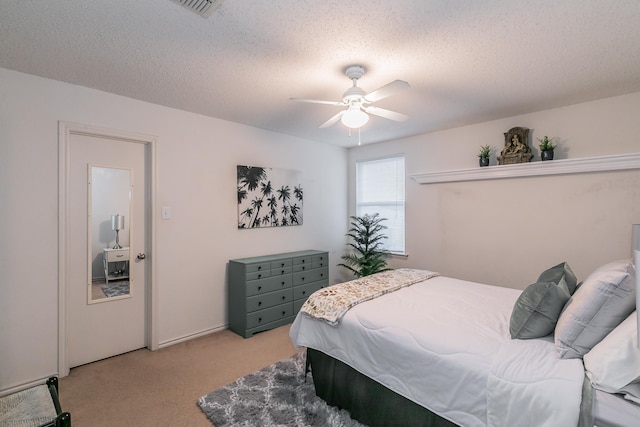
[268,197]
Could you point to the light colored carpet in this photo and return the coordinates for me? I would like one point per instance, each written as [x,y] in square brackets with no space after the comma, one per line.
[160,388]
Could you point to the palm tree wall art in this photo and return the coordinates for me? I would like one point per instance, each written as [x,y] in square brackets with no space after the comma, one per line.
[268,197]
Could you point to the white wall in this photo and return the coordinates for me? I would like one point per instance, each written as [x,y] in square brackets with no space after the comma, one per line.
[505,232]
[196,165]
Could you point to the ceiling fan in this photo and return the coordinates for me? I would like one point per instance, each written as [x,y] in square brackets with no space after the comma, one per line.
[358,102]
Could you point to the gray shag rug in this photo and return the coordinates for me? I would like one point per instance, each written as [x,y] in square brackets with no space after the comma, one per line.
[273,396]
[116,289]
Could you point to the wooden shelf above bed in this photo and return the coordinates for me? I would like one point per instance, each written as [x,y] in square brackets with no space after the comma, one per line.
[552,167]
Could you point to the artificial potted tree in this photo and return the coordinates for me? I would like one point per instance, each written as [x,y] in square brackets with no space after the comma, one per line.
[546,148]
[484,154]
[366,235]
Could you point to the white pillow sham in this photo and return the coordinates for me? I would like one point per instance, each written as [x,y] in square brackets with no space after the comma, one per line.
[614,362]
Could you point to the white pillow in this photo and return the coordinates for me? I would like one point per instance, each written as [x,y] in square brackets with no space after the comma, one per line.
[615,361]
[602,302]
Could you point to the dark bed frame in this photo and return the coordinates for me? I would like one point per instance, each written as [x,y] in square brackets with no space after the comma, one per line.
[367,401]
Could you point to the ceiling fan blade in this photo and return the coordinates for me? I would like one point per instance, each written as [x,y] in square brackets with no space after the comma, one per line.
[387,90]
[332,120]
[387,114]
[317,101]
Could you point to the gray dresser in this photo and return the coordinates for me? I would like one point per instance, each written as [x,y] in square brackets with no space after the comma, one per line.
[267,291]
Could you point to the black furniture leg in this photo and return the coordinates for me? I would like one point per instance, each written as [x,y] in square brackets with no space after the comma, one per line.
[64,418]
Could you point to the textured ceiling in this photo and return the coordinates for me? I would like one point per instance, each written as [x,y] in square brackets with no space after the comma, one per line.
[467,61]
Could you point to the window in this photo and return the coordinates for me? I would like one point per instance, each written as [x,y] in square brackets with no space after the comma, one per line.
[380,189]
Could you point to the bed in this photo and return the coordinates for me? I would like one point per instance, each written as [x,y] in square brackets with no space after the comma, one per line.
[438,351]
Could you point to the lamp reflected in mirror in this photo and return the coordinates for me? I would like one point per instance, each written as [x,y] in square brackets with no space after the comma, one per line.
[117,224]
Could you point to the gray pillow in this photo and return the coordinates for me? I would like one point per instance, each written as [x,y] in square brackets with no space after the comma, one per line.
[536,311]
[557,272]
[600,304]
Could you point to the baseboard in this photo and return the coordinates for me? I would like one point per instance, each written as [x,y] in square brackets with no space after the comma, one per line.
[24,386]
[184,338]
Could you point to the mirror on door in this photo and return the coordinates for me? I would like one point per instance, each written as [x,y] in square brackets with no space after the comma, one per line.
[109,233]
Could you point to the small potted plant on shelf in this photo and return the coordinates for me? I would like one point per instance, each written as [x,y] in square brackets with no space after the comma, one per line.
[484,154]
[546,148]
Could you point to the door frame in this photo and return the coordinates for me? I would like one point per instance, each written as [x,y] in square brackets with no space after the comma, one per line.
[65,131]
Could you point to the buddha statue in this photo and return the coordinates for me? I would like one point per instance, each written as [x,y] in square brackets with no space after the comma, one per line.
[516,148]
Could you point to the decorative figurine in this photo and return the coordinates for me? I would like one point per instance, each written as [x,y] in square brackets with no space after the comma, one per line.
[516,147]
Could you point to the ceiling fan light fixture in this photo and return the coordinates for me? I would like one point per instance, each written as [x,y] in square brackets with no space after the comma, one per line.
[354,117]
[357,101]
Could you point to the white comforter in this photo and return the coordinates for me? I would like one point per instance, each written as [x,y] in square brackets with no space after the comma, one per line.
[444,344]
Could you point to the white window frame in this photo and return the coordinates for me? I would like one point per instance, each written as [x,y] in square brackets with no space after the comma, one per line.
[393,201]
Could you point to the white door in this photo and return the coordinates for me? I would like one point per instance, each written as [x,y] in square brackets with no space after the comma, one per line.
[100,324]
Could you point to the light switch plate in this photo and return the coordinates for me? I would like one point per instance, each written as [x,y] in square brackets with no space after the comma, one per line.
[166,212]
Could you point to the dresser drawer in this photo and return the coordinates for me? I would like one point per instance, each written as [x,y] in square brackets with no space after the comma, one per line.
[258,267]
[281,271]
[260,272]
[305,291]
[280,264]
[268,315]
[115,255]
[270,284]
[302,267]
[318,261]
[260,302]
[313,275]
[302,263]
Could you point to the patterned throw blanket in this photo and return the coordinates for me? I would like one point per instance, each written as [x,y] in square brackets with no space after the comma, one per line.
[331,303]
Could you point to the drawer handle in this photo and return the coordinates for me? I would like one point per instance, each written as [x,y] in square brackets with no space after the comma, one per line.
[259,303]
[321,264]
[303,261]
[303,267]
[259,319]
[259,276]
[282,265]
[282,272]
[282,283]
[321,274]
[284,312]
[259,287]
[259,267]
[284,298]
[120,256]
[304,292]
[303,278]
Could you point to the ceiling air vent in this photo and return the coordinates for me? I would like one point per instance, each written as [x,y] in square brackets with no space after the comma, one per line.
[203,8]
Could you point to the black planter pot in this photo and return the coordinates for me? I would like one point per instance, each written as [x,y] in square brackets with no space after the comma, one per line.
[484,161]
[546,155]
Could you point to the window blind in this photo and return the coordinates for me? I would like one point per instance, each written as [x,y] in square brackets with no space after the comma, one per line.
[380,189]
